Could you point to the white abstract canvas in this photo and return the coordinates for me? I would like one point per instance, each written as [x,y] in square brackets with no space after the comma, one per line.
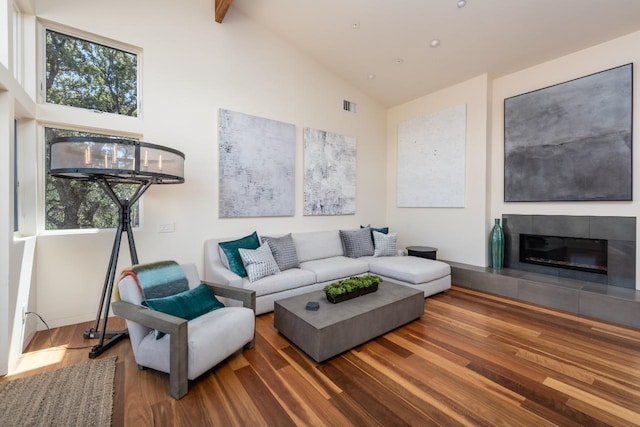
[257,160]
[329,173]
[431,159]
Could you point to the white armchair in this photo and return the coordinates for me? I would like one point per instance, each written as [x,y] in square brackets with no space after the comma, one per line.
[189,348]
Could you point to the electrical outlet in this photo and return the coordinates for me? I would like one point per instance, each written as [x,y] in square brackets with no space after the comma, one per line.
[167,228]
[24,314]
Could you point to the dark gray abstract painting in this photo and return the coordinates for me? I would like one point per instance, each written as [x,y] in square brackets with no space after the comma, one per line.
[257,161]
[571,141]
[329,173]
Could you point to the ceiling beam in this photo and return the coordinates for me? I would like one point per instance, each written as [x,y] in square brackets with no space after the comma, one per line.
[221,7]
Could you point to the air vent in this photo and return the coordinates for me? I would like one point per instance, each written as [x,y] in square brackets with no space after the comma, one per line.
[349,106]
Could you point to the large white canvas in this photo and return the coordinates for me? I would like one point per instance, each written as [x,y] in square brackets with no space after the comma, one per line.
[431,159]
[329,173]
[257,160]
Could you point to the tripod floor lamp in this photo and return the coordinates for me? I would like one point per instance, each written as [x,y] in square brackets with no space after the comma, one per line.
[109,161]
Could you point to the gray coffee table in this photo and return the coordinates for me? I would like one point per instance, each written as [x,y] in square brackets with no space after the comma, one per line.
[336,328]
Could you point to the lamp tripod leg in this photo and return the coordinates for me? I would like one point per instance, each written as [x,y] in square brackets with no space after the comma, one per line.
[109,338]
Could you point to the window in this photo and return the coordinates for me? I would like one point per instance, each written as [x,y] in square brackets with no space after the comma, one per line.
[72,204]
[84,74]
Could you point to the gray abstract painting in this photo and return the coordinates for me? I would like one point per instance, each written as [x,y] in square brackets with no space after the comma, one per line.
[431,159]
[329,173]
[257,160]
[571,141]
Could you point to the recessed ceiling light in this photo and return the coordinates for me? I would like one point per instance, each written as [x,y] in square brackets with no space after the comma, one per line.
[435,43]
[462,3]
[355,25]
[371,76]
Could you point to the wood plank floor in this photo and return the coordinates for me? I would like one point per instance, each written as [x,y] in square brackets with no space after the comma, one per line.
[472,359]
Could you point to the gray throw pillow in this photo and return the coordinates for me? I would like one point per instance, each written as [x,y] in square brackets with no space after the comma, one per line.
[259,262]
[357,243]
[283,250]
[385,244]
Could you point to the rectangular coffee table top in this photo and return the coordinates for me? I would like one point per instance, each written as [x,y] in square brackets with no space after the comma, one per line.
[336,328]
[330,313]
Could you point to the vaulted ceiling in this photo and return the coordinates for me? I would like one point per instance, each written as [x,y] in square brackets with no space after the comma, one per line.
[384,48]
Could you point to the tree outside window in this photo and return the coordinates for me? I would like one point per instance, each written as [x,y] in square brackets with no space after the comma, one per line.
[89,75]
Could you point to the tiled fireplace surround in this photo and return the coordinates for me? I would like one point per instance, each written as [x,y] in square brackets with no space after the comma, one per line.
[610,297]
[619,232]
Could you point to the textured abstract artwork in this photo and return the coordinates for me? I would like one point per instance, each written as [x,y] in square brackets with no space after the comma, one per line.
[329,173]
[431,159]
[571,141]
[257,160]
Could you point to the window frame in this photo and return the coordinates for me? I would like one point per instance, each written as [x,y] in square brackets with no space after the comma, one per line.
[16,178]
[44,25]
[18,45]
[80,119]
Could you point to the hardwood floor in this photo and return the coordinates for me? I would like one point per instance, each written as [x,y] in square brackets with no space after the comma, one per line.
[472,359]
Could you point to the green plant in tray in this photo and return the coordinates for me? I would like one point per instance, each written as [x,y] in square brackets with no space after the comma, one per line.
[351,284]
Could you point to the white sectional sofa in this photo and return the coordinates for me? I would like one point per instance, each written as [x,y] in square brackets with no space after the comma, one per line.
[321,259]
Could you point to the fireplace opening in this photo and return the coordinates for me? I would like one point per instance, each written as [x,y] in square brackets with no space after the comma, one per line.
[564,252]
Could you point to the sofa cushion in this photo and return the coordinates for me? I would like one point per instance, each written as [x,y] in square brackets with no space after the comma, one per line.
[259,262]
[283,250]
[357,243]
[335,268]
[317,245]
[384,244]
[289,279]
[230,248]
[408,269]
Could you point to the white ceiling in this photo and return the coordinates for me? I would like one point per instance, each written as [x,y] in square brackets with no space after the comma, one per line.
[486,36]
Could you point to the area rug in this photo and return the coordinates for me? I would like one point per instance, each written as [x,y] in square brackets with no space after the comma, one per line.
[79,395]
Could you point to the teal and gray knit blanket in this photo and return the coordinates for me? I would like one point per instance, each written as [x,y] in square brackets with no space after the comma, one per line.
[160,279]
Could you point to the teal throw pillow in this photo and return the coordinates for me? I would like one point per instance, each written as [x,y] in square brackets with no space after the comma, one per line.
[233,256]
[383,230]
[186,305]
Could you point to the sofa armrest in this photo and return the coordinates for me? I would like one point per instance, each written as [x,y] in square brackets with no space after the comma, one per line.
[216,272]
[176,328]
[246,296]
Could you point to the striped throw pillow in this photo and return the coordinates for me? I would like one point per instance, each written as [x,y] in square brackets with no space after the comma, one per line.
[259,262]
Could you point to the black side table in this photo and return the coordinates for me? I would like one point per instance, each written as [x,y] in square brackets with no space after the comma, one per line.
[422,251]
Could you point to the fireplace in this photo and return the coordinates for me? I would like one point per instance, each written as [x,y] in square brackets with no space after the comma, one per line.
[564,252]
[599,249]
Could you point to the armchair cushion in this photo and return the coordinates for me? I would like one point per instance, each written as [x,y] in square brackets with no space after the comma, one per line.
[188,304]
[212,338]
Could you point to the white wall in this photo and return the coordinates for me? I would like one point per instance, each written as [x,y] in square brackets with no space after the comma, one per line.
[15,103]
[192,67]
[617,52]
[458,233]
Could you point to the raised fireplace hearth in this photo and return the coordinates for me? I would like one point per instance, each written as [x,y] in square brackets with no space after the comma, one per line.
[598,249]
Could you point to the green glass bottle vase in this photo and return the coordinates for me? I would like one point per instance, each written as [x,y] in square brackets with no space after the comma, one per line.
[496,246]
